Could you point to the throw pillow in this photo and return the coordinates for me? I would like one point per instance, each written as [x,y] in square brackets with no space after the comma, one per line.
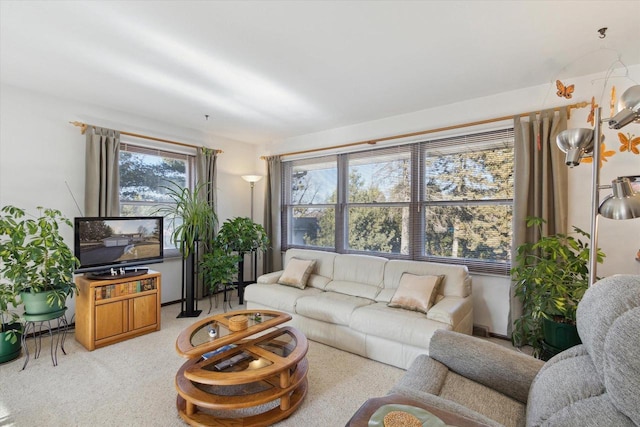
[297,272]
[416,293]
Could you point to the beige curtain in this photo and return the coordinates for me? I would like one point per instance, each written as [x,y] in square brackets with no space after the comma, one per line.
[206,172]
[206,175]
[540,183]
[102,174]
[272,217]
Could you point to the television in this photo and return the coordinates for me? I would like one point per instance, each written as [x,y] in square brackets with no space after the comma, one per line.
[113,247]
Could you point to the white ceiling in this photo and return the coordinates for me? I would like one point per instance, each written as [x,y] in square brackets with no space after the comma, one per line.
[268,70]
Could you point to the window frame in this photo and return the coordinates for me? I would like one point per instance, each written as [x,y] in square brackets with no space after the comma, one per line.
[418,201]
[165,152]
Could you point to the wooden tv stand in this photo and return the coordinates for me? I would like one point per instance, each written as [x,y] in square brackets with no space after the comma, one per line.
[110,311]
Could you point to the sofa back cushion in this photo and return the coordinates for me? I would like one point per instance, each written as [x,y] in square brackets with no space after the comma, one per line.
[323,270]
[357,275]
[456,282]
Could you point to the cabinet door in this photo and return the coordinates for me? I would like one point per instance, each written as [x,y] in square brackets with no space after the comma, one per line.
[110,319]
[144,311]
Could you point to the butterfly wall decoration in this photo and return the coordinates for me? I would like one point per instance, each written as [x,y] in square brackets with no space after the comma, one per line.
[604,155]
[629,143]
[564,91]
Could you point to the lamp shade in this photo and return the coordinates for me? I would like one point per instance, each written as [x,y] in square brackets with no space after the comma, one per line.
[575,143]
[628,108]
[252,178]
[623,203]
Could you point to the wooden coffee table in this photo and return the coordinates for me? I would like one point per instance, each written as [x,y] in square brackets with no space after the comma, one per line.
[230,371]
[363,415]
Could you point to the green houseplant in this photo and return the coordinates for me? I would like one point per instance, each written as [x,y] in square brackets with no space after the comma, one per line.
[241,235]
[194,223]
[191,217]
[550,278]
[10,326]
[218,267]
[36,259]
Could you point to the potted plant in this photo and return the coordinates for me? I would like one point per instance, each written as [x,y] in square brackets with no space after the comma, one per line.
[36,259]
[194,223]
[10,326]
[241,235]
[551,277]
[218,268]
[191,217]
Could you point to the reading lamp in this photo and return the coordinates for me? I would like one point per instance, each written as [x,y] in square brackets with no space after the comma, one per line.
[624,203]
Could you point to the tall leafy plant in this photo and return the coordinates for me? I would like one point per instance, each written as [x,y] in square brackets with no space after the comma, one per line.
[191,217]
[35,257]
[550,278]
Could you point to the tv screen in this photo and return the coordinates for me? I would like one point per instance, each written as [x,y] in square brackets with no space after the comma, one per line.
[117,242]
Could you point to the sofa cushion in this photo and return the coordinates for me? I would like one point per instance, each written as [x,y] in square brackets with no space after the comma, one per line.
[297,272]
[416,293]
[358,275]
[456,282]
[324,264]
[410,327]
[279,297]
[330,307]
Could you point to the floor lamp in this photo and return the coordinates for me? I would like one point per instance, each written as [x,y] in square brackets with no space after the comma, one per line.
[252,179]
[624,203]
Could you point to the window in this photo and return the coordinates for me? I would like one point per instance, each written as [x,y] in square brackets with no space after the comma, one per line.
[144,173]
[446,200]
[378,201]
[311,196]
[468,200]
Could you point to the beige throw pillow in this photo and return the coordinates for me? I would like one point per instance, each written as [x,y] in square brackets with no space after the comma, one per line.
[297,272]
[416,293]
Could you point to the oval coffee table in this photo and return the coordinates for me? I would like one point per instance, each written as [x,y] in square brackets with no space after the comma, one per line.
[253,377]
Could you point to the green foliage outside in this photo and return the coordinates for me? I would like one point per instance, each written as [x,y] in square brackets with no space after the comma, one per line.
[379,218]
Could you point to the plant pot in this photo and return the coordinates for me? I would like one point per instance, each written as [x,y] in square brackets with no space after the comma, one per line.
[9,351]
[559,336]
[36,303]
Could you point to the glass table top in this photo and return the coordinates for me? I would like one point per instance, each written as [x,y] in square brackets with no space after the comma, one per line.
[213,332]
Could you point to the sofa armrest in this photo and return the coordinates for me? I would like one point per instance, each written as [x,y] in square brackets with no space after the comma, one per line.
[451,310]
[270,278]
[503,369]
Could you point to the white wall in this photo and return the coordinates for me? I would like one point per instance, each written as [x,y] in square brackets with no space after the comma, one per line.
[620,240]
[40,153]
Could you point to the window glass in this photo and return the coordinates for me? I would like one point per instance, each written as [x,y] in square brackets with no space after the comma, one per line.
[380,178]
[144,176]
[479,232]
[310,197]
[447,200]
[313,227]
[471,175]
[379,229]
[314,183]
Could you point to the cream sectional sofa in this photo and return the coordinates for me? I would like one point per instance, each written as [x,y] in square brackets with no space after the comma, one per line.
[344,304]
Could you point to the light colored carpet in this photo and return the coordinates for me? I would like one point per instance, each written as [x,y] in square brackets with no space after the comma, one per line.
[132,383]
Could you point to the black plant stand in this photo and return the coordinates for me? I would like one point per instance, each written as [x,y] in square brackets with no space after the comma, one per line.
[189,301]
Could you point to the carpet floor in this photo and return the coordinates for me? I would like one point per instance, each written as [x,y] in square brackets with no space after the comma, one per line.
[132,383]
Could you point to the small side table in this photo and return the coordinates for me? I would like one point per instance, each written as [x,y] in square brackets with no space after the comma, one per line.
[31,320]
[368,408]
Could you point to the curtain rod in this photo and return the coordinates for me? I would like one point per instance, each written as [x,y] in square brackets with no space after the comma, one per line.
[425,132]
[84,126]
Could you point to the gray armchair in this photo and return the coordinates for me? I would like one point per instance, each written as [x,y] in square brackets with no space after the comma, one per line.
[594,384]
